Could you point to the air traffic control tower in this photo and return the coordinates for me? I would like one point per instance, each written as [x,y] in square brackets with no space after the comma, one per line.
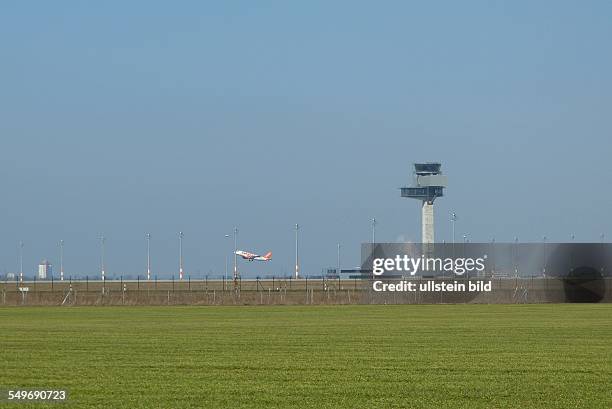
[429,184]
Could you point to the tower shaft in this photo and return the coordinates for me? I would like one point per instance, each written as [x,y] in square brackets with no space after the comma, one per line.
[427,214]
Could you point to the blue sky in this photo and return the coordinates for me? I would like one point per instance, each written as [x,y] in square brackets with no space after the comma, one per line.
[126,118]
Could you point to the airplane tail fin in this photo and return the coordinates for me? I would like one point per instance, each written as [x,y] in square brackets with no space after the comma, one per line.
[268,255]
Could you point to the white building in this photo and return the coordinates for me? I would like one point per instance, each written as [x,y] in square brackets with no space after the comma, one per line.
[44,270]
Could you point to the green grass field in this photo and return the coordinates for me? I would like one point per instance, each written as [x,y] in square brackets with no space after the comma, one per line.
[412,356]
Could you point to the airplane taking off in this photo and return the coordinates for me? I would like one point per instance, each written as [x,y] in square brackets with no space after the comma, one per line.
[251,256]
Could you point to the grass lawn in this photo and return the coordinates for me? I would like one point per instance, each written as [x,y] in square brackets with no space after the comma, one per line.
[412,356]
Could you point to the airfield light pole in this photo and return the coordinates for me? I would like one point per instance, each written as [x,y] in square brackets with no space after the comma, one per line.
[297,259]
[373,238]
[338,268]
[493,253]
[544,266]
[373,230]
[453,220]
[181,235]
[61,245]
[601,236]
[235,276]
[227,236]
[516,255]
[102,241]
[21,261]
[148,237]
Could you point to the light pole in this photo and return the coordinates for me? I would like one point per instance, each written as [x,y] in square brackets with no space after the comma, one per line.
[181,235]
[148,237]
[21,261]
[297,260]
[373,230]
[227,236]
[453,220]
[102,241]
[338,268]
[544,266]
[516,255]
[61,245]
[235,276]
[601,236]
[493,253]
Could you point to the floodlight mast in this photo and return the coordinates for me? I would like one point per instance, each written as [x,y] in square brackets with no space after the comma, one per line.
[148,237]
[373,230]
[181,235]
[338,268]
[236,275]
[453,221]
[21,261]
[429,185]
[227,236]
[297,259]
[61,243]
[102,241]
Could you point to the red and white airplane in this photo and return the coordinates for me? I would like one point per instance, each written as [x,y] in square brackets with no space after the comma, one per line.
[251,256]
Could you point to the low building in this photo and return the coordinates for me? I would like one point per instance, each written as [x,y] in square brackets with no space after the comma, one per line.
[44,270]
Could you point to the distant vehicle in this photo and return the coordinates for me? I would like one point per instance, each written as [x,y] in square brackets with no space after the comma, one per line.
[252,256]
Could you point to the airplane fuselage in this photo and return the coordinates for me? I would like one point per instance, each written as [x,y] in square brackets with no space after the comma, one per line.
[254,257]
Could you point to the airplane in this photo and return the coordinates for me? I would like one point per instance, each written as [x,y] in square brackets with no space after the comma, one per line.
[251,256]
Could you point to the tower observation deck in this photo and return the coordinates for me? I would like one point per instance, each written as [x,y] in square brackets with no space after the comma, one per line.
[429,184]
